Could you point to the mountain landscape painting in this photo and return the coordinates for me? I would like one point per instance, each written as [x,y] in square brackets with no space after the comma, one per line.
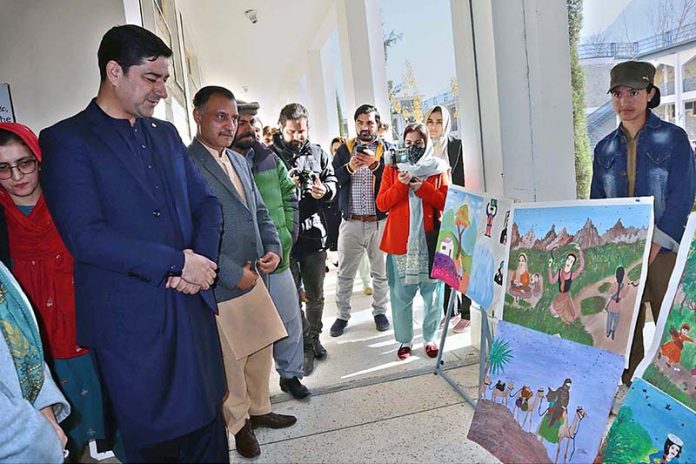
[670,364]
[472,244]
[577,269]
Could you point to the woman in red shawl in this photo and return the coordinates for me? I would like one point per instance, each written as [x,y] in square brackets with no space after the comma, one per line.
[44,268]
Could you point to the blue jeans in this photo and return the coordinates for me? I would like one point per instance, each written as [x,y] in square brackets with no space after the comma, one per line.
[402,305]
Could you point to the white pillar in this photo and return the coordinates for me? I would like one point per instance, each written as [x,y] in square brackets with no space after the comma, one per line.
[483,161]
[362,52]
[532,68]
[322,103]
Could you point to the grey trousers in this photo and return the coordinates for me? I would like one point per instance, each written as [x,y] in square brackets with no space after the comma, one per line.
[354,239]
[287,352]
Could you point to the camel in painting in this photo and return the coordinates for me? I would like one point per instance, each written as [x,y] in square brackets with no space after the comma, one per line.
[484,386]
[500,391]
[522,397]
[533,403]
[567,433]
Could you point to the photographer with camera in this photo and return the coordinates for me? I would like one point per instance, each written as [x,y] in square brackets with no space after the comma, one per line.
[309,167]
[359,164]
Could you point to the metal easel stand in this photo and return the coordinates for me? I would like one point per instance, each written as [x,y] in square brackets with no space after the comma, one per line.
[485,345]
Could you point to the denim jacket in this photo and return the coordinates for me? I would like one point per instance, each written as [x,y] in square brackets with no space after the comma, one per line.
[665,170]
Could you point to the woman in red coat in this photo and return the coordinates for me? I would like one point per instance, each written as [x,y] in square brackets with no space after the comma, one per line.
[413,192]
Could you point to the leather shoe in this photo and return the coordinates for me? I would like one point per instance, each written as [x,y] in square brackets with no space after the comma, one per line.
[294,387]
[272,421]
[246,443]
[319,350]
[338,327]
[308,364]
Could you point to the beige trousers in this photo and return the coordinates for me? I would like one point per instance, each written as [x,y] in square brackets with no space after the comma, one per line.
[247,383]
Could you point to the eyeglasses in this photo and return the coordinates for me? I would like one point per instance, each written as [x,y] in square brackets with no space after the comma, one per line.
[25,167]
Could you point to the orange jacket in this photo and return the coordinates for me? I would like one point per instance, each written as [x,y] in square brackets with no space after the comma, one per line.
[393,197]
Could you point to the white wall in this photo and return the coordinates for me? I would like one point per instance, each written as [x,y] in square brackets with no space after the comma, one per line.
[48,51]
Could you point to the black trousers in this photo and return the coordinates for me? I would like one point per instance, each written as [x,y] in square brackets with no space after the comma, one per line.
[309,271]
[464,308]
[207,444]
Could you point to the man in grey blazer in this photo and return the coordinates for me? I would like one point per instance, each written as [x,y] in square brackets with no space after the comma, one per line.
[250,245]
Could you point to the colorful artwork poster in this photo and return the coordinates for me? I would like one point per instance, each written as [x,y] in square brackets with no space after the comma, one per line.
[651,427]
[577,269]
[543,398]
[472,244]
[670,364]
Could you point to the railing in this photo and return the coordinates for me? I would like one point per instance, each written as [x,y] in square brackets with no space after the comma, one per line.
[626,50]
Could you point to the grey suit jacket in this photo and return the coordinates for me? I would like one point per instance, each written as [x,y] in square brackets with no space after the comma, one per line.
[248,231]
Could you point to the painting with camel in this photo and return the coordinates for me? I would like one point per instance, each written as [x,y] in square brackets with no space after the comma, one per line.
[543,398]
[577,269]
[670,364]
[651,427]
[472,245]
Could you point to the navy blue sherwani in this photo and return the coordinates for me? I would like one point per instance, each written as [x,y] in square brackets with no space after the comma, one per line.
[127,200]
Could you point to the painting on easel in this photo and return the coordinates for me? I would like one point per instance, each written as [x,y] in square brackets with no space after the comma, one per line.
[670,364]
[577,269]
[651,427]
[472,245]
[543,398]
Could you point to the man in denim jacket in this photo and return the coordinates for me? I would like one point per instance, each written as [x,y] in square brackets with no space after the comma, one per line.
[646,156]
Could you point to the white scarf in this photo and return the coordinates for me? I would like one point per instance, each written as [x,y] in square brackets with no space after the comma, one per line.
[440,143]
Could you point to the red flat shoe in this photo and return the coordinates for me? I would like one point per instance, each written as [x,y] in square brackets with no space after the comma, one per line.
[431,350]
[404,352]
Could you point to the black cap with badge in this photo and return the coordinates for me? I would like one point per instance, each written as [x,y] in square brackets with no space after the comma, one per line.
[636,75]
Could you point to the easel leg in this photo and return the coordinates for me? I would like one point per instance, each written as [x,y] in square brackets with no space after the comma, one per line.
[485,345]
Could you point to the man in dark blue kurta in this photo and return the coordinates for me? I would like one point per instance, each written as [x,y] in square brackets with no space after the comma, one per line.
[144,230]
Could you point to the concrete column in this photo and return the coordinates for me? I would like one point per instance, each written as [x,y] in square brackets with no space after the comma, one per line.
[532,66]
[362,51]
[483,161]
[679,91]
[322,103]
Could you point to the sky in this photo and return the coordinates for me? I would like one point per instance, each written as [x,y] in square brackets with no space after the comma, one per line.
[658,421]
[573,218]
[542,360]
[427,42]
[598,14]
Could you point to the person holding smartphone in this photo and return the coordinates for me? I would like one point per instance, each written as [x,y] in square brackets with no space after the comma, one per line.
[413,192]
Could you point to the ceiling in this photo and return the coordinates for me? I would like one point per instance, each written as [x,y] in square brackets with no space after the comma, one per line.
[256,61]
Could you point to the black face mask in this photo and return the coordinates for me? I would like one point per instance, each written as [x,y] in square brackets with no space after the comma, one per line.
[415,153]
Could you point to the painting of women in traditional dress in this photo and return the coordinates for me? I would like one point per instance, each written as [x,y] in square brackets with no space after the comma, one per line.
[563,305]
[519,283]
[672,350]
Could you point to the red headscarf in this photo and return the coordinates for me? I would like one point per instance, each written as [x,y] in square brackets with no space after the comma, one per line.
[42,264]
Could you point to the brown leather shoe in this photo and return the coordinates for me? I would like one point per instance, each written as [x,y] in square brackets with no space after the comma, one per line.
[272,421]
[246,443]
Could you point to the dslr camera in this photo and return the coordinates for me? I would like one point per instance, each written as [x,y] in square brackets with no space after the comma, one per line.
[396,156]
[306,179]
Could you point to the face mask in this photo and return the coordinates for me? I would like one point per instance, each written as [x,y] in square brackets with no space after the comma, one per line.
[415,153]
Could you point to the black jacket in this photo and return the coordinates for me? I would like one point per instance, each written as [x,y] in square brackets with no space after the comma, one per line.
[312,158]
[456,160]
[340,165]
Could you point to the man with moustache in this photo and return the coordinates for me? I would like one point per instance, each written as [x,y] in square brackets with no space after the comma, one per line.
[646,156]
[310,168]
[279,194]
[249,246]
[144,230]
[359,164]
